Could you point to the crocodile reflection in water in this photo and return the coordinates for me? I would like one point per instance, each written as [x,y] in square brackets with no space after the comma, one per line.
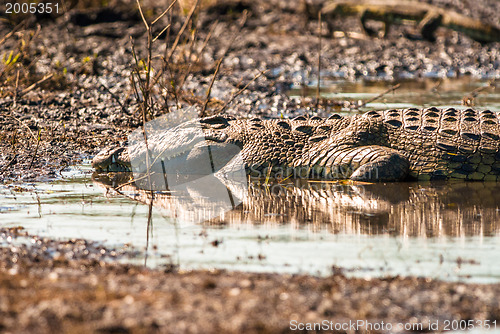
[410,209]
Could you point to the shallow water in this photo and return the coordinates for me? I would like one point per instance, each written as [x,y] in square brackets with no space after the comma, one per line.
[428,92]
[418,229]
[443,230]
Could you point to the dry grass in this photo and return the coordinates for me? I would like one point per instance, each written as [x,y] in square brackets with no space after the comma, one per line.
[158,79]
[19,58]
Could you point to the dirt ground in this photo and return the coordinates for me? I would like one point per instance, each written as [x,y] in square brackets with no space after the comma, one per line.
[78,287]
[67,91]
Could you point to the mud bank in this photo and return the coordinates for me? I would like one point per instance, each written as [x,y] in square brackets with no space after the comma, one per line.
[74,287]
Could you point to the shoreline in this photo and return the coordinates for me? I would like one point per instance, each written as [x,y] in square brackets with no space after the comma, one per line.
[75,290]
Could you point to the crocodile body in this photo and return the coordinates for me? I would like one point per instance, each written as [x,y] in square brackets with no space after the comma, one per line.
[391,145]
[428,17]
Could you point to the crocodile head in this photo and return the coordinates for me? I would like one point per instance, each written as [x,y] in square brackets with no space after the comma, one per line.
[114,159]
[200,147]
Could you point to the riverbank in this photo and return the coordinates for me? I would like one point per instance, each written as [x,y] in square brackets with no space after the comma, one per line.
[74,287]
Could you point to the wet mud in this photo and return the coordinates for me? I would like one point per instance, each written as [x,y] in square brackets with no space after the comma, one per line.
[72,290]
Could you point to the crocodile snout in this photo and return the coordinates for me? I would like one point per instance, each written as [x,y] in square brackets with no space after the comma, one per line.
[112,160]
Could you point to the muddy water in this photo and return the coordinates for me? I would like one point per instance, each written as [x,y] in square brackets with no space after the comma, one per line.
[448,230]
[428,92]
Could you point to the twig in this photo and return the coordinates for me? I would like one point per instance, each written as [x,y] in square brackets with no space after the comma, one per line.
[136,69]
[391,89]
[147,87]
[319,61]
[209,90]
[146,90]
[194,33]
[241,90]
[146,93]
[39,204]
[435,88]
[164,12]
[180,83]
[137,72]
[478,90]
[178,37]
[12,32]
[23,124]
[175,89]
[117,188]
[241,24]
[36,148]
[268,176]
[16,89]
[169,54]
[142,15]
[36,84]
[161,32]
[116,98]
[468,100]
[10,163]
[167,35]
[205,42]
[149,226]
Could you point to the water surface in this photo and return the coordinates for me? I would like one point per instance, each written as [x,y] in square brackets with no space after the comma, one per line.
[422,93]
[444,230]
[448,230]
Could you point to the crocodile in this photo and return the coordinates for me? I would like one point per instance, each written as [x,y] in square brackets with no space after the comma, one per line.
[428,17]
[376,146]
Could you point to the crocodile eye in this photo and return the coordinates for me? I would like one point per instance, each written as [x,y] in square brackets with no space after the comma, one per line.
[217,119]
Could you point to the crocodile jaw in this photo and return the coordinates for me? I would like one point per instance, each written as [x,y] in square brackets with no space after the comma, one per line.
[202,158]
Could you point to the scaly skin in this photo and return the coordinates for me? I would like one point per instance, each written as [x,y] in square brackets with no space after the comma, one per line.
[391,145]
[428,17]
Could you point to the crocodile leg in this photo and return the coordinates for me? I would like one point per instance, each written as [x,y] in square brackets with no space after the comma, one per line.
[385,164]
[429,25]
[387,27]
[363,18]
